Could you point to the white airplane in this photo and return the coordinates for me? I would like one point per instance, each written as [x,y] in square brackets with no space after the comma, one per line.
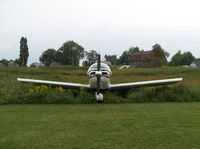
[99,79]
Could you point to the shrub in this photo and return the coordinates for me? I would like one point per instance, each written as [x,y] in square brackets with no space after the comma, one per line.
[85,97]
[110,97]
[44,94]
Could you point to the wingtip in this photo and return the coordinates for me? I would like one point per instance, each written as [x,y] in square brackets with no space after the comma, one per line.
[181,79]
[19,79]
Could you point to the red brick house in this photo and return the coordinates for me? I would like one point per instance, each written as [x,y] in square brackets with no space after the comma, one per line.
[143,59]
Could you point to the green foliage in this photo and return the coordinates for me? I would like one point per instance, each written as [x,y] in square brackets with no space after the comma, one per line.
[12,91]
[48,57]
[182,59]
[91,57]
[178,93]
[24,54]
[112,59]
[160,55]
[70,53]
[110,97]
[43,94]
[4,61]
[85,97]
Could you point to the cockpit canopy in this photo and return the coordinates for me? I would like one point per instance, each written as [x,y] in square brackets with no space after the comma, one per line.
[104,68]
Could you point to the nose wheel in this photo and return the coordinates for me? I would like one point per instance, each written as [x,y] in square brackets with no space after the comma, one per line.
[99,97]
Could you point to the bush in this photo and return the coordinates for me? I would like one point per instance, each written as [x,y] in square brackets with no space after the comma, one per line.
[110,97]
[46,95]
[179,93]
[85,97]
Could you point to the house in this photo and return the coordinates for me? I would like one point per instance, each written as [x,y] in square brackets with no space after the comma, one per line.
[12,63]
[195,64]
[2,65]
[55,64]
[143,59]
[36,64]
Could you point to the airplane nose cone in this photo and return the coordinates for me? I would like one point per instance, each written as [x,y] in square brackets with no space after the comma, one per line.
[98,73]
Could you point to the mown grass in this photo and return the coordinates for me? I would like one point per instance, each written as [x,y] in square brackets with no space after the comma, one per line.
[100,126]
[12,91]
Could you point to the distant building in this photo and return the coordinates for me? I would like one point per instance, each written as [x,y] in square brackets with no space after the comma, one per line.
[2,65]
[55,64]
[195,64]
[12,63]
[143,59]
[107,62]
[36,64]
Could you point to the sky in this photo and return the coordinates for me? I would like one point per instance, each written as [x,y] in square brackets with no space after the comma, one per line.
[107,26]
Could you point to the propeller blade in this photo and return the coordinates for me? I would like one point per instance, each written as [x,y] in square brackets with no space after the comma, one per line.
[98,77]
[98,62]
[98,85]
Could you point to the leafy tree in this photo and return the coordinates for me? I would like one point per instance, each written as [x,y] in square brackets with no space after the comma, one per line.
[91,57]
[17,61]
[24,54]
[182,59]
[85,63]
[188,58]
[70,53]
[124,58]
[48,56]
[160,54]
[111,58]
[4,61]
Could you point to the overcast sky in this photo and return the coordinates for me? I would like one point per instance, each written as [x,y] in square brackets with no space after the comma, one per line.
[107,26]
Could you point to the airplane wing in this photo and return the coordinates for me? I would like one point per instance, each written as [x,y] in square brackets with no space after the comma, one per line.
[53,83]
[146,83]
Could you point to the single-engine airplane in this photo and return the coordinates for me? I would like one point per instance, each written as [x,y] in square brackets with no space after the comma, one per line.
[99,79]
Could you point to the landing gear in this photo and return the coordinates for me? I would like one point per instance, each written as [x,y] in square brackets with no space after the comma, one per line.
[99,97]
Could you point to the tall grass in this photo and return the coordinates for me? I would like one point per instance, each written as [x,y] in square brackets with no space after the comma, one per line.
[14,92]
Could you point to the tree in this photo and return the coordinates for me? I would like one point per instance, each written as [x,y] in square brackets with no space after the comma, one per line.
[182,59]
[4,61]
[160,54]
[188,58]
[48,56]
[91,57]
[124,58]
[111,58]
[24,54]
[70,53]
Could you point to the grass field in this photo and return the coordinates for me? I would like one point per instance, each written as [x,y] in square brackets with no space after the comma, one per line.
[100,126]
[96,126]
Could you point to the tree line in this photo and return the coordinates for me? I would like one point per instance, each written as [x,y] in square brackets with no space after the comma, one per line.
[70,53]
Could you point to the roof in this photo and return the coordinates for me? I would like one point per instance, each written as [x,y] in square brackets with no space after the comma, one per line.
[143,56]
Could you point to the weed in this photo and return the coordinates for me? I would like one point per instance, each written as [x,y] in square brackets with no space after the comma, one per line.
[14,92]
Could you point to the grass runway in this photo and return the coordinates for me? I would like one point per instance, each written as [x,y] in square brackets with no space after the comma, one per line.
[100,126]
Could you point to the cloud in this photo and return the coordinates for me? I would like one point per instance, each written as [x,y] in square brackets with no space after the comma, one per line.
[107,26]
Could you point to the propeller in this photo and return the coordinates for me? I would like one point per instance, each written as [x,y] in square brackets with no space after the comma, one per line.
[98,76]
